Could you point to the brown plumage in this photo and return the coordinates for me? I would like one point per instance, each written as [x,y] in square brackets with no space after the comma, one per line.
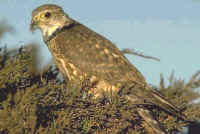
[81,53]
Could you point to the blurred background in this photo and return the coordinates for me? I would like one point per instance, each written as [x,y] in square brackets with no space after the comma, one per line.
[168,30]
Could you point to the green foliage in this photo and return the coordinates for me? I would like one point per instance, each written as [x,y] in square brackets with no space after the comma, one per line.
[40,103]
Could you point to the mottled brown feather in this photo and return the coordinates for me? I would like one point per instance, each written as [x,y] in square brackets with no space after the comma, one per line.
[80,53]
[94,55]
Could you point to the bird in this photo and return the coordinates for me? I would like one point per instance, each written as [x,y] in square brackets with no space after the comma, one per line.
[82,54]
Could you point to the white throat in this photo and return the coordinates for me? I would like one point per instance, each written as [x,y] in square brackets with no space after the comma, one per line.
[49,30]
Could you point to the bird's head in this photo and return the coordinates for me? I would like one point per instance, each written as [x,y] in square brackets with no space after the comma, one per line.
[48,18]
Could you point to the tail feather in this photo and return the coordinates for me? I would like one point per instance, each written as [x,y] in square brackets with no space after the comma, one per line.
[153,126]
[148,96]
[152,97]
[165,104]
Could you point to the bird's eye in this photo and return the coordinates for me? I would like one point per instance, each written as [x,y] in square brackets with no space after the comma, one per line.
[47,15]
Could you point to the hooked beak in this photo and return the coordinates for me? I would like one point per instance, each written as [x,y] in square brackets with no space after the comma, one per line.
[33,26]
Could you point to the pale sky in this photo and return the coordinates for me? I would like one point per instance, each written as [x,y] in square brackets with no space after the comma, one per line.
[168,30]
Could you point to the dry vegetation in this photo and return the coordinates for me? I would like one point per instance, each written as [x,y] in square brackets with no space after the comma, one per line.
[40,103]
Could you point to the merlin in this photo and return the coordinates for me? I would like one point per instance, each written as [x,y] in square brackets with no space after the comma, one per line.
[80,53]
